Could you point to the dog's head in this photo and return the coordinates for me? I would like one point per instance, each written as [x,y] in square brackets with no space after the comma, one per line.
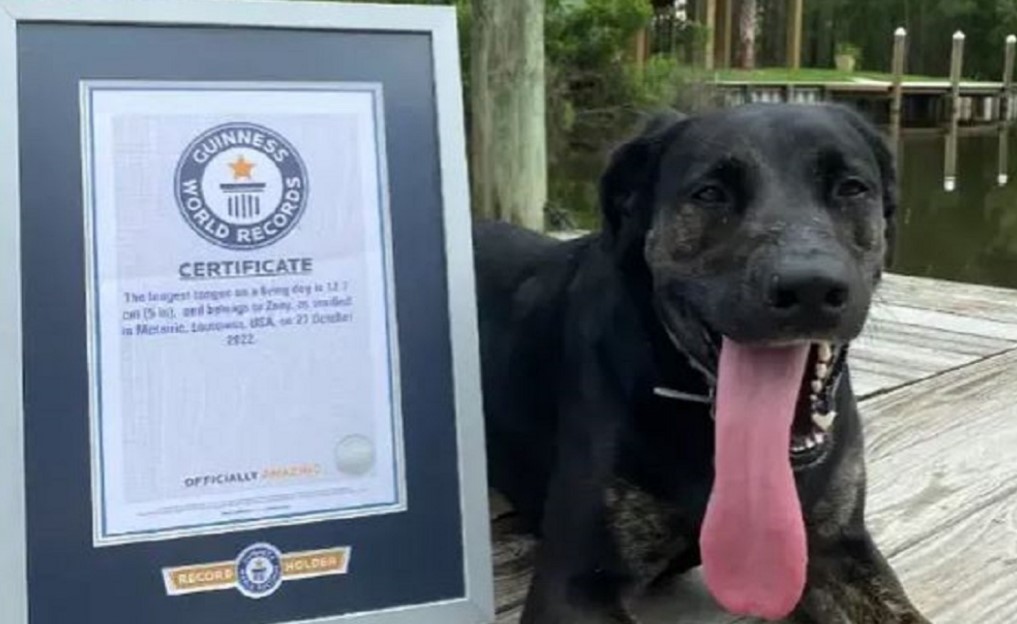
[758,227]
[764,223]
[761,231]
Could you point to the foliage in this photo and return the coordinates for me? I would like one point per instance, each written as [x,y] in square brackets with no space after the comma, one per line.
[930,24]
[595,93]
[595,90]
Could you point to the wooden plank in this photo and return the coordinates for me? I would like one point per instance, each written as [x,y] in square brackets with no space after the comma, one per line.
[867,383]
[948,321]
[998,304]
[940,448]
[890,331]
[965,572]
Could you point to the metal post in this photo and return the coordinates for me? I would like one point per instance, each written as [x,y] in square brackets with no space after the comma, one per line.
[1004,112]
[956,67]
[896,103]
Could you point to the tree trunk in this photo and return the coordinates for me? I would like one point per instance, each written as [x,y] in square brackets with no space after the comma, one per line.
[747,34]
[508,126]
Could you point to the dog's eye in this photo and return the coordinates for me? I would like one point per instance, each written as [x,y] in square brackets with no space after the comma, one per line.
[851,188]
[711,194]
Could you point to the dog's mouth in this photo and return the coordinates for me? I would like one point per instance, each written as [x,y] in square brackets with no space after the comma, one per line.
[815,413]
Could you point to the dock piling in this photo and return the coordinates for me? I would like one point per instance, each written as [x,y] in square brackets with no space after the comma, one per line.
[896,102]
[956,68]
[1005,114]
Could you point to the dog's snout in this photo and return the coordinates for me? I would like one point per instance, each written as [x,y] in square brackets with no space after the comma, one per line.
[808,288]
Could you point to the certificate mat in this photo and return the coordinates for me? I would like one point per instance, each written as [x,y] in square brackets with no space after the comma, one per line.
[238,245]
[239,382]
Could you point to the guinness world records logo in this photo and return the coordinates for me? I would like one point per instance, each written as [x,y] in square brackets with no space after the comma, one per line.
[259,570]
[241,186]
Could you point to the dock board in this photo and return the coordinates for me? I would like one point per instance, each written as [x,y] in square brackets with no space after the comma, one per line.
[937,370]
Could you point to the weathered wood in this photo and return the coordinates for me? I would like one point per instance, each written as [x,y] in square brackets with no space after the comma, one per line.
[942,471]
[709,20]
[725,33]
[508,131]
[794,33]
[747,25]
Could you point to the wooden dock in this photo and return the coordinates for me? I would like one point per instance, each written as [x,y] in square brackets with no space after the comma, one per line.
[924,103]
[937,373]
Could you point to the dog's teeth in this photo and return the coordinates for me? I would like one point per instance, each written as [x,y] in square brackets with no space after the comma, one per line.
[824,421]
[810,443]
[825,352]
[817,387]
[822,370]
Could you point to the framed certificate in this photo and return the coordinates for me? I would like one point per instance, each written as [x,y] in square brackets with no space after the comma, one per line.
[239,381]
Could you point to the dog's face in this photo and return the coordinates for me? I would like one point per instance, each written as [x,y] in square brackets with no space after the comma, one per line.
[759,228]
[768,224]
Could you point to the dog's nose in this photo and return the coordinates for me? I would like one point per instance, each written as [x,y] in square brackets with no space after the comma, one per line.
[802,288]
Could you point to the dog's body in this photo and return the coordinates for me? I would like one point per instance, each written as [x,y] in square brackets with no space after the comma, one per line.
[600,358]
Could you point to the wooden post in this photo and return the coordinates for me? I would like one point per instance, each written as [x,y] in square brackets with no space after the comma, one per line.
[639,41]
[956,67]
[725,33]
[899,48]
[794,34]
[710,22]
[1004,112]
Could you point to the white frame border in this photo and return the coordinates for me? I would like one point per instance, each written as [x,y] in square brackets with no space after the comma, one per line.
[477,607]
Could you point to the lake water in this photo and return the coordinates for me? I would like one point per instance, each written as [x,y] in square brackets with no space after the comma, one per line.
[969,235]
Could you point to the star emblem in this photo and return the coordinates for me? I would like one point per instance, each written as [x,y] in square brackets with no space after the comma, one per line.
[241,168]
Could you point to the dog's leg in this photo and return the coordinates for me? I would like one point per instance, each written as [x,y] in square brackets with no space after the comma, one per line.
[849,579]
[578,577]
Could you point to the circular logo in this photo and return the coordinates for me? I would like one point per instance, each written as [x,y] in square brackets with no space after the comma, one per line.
[241,186]
[259,570]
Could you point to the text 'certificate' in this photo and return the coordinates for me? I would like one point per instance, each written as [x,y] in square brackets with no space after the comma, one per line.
[243,357]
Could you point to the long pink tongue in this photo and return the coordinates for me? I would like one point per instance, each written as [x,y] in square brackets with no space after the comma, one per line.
[753,537]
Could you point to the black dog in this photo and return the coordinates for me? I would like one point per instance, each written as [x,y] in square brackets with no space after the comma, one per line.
[674,390]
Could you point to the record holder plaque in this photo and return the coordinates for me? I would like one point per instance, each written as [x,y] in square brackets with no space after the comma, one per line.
[239,379]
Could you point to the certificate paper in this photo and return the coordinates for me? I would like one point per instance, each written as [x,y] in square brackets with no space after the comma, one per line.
[243,358]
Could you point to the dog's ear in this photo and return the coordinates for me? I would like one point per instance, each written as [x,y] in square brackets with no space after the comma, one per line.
[887,171]
[627,183]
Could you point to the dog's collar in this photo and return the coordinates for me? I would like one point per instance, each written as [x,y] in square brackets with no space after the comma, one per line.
[678,395]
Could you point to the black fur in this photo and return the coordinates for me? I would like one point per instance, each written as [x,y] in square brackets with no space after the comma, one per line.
[705,220]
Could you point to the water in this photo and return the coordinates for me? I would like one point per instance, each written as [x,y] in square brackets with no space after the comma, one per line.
[969,235]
